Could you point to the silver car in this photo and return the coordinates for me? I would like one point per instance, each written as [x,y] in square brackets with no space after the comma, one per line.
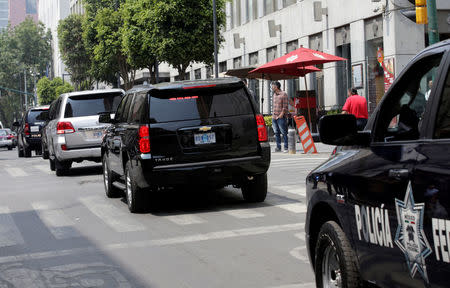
[73,133]
[6,138]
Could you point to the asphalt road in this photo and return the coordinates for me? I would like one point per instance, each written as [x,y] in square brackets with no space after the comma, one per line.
[64,232]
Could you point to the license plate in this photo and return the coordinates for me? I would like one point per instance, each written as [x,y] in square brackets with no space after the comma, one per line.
[206,138]
[34,128]
[97,134]
[36,135]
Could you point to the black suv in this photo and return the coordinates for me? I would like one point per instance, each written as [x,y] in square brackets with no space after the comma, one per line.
[206,133]
[378,209]
[29,131]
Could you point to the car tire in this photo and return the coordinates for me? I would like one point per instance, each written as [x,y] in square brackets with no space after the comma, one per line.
[52,164]
[255,190]
[19,151]
[27,152]
[135,195]
[62,167]
[334,264]
[38,152]
[108,178]
[10,147]
[45,154]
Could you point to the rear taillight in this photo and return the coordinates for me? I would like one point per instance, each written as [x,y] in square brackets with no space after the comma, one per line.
[144,139]
[26,130]
[9,137]
[262,130]
[64,128]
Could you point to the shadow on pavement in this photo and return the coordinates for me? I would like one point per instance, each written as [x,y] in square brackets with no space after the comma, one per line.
[84,171]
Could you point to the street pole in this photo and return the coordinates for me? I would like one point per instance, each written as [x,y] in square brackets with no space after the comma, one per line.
[26,94]
[433,33]
[35,90]
[216,60]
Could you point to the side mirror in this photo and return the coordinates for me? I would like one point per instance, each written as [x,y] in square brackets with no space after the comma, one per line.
[105,118]
[341,130]
[16,124]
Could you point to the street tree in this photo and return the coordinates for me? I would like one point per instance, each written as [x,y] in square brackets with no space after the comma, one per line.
[183,31]
[73,51]
[138,35]
[48,90]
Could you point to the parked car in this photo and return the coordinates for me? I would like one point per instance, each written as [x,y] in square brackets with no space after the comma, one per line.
[378,209]
[29,131]
[73,133]
[6,139]
[181,134]
[51,115]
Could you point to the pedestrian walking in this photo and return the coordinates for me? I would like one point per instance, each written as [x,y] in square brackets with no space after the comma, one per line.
[280,115]
[356,105]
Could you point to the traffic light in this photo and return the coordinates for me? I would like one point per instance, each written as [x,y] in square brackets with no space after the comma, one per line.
[421,12]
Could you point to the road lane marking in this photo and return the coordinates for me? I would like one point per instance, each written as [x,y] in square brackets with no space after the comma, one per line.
[299,285]
[294,207]
[43,168]
[185,219]
[298,159]
[292,189]
[61,226]
[243,213]
[115,218]
[16,172]
[9,233]
[219,235]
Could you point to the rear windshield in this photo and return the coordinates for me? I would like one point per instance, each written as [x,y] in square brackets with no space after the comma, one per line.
[3,133]
[179,105]
[89,105]
[36,116]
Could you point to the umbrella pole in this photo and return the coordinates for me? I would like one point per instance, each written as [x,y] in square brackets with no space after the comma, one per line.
[262,95]
[307,102]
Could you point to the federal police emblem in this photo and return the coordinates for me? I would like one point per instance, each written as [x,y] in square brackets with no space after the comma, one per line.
[410,237]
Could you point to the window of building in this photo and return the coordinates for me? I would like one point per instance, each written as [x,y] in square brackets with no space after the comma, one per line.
[187,76]
[288,2]
[254,9]
[237,14]
[291,46]
[375,75]
[31,7]
[237,62]
[247,12]
[223,66]
[271,53]
[198,74]
[343,68]
[253,59]
[209,72]
[270,6]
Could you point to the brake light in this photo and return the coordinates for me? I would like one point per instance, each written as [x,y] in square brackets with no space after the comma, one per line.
[64,147]
[262,130]
[183,98]
[64,128]
[26,130]
[9,137]
[199,86]
[144,139]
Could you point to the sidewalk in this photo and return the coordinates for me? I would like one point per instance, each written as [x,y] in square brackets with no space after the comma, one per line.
[321,148]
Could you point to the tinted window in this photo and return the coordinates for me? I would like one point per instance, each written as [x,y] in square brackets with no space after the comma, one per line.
[36,116]
[120,109]
[179,105]
[442,127]
[127,108]
[137,109]
[89,105]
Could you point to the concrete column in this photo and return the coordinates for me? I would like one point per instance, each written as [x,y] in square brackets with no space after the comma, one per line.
[329,70]
[358,49]
[402,39]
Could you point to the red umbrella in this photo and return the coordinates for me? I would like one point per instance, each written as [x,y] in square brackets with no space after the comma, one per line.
[300,58]
[278,73]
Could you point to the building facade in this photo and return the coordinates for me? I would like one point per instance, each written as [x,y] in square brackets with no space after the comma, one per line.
[4,14]
[76,7]
[372,36]
[21,9]
[50,13]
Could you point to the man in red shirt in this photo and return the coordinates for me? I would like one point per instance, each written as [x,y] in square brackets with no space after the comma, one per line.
[356,105]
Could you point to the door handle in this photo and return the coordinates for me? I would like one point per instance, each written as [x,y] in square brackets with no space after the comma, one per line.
[399,173]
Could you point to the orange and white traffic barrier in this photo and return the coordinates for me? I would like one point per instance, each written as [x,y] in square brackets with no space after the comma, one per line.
[305,135]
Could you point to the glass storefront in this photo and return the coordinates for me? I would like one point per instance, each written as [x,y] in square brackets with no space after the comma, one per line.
[374,54]
[343,68]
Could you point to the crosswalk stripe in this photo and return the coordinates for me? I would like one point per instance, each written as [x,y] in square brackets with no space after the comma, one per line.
[243,213]
[43,168]
[9,233]
[298,159]
[185,219]
[294,207]
[296,190]
[16,172]
[115,218]
[61,226]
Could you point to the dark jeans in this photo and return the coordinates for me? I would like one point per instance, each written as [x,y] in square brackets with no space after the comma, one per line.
[280,127]
[361,123]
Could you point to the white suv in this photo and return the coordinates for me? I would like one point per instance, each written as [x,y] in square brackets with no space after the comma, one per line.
[73,133]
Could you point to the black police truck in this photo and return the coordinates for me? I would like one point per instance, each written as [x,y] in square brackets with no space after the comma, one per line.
[378,209]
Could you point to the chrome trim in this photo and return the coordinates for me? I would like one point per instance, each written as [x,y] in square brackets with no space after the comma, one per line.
[146,156]
[196,164]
